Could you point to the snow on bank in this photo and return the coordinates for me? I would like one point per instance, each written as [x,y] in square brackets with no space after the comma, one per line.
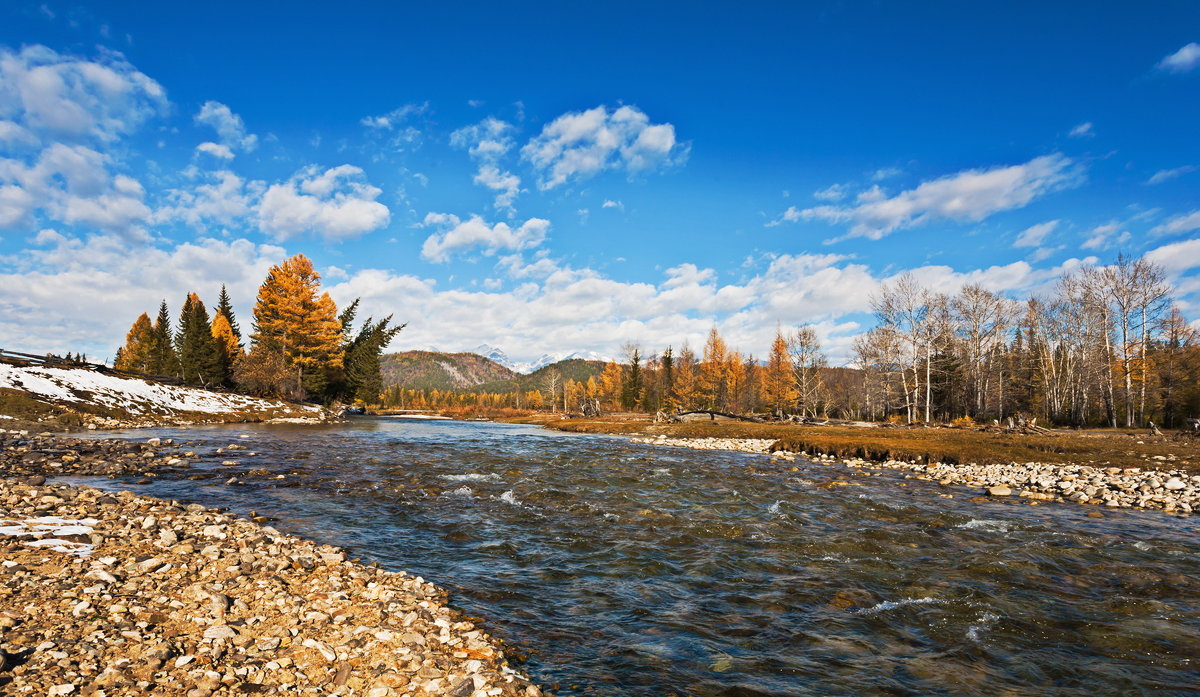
[137,397]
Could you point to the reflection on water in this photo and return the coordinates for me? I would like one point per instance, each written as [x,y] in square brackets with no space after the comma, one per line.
[626,569]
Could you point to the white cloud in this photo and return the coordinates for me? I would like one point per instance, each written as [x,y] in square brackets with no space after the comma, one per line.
[395,117]
[1083,130]
[69,98]
[222,198]
[886,173]
[1105,236]
[1182,60]
[1179,224]
[72,184]
[1035,235]
[1177,256]
[335,204]
[488,141]
[455,236]
[82,295]
[967,196]
[221,152]
[581,144]
[228,125]
[1163,175]
[608,203]
[833,192]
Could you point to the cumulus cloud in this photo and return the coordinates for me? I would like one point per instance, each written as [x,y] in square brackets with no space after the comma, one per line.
[1083,130]
[1163,175]
[455,235]
[72,184]
[1182,60]
[1178,224]
[486,142]
[230,128]
[221,152]
[1177,256]
[967,196]
[73,99]
[1105,236]
[335,204]
[82,295]
[608,203]
[580,144]
[219,198]
[1035,235]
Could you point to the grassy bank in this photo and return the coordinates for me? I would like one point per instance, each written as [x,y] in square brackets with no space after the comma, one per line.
[1115,448]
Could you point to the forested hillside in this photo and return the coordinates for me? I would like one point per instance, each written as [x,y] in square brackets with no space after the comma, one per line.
[428,370]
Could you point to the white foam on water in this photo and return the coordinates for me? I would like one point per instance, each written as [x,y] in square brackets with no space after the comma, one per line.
[775,508]
[661,470]
[510,498]
[1144,546]
[893,604]
[460,491]
[985,524]
[472,477]
[983,623]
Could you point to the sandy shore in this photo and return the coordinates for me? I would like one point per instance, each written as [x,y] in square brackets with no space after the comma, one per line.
[1175,491]
[116,594]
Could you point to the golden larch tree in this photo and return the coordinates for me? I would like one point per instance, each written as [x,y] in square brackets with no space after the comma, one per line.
[290,317]
[137,354]
[778,387]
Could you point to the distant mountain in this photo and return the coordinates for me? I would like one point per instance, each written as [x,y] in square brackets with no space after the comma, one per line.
[576,369]
[428,370]
[527,367]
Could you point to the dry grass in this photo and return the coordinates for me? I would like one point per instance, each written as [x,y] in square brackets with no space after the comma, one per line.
[1118,448]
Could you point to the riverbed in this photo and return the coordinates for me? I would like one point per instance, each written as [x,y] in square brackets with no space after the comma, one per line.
[622,568]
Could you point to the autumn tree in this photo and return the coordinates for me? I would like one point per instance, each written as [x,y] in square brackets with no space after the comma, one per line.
[714,371]
[778,388]
[293,319]
[137,355]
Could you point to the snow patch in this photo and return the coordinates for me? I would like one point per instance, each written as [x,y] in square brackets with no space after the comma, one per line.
[129,394]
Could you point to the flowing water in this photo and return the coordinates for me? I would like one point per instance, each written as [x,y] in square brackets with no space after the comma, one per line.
[626,569]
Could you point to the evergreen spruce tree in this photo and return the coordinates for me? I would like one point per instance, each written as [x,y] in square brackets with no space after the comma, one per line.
[165,362]
[631,391]
[225,307]
[137,355]
[363,376]
[198,359]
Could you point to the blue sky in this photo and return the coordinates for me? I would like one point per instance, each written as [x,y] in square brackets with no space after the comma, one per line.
[554,178]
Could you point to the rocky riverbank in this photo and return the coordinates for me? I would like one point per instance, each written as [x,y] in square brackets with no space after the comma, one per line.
[1175,491]
[115,594]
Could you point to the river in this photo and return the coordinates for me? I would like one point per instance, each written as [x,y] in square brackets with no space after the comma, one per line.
[627,569]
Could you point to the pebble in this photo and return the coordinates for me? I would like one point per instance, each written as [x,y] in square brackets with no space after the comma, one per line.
[1175,491]
[247,610]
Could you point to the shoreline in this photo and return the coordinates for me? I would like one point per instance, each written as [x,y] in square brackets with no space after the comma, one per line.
[121,592]
[1172,491]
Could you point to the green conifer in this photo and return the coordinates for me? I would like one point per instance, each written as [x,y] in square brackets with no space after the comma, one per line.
[164,361]
[199,361]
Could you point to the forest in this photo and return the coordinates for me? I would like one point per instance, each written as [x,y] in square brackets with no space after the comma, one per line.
[300,345]
[1105,348]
